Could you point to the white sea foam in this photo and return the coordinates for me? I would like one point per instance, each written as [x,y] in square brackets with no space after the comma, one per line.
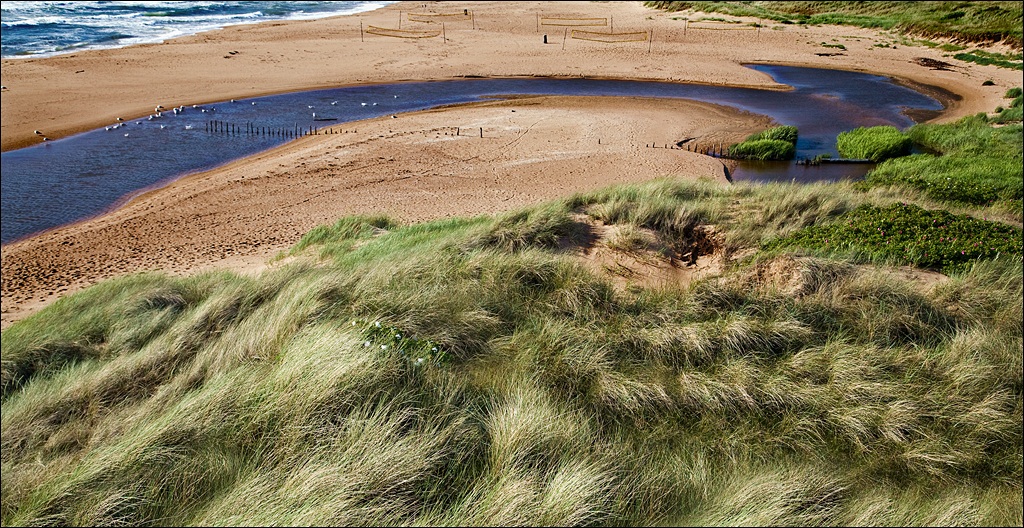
[37,29]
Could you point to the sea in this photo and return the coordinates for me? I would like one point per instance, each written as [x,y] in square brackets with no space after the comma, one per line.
[41,29]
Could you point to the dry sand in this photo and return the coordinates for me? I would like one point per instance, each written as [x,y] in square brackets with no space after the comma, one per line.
[411,168]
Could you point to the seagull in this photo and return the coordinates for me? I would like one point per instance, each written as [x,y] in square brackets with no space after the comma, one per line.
[364,104]
[374,104]
[396,97]
[254,103]
[45,138]
[163,126]
[333,103]
[125,134]
[314,115]
[38,133]
[309,106]
[120,119]
[232,100]
[188,127]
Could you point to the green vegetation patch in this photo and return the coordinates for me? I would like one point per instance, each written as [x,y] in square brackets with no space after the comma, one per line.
[873,143]
[978,22]
[909,234]
[777,143]
[786,133]
[1013,62]
[979,164]
[763,149]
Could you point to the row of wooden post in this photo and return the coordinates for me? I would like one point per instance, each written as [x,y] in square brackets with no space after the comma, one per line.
[250,130]
[717,151]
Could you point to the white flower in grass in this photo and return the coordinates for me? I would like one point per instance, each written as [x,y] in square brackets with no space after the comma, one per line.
[353,323]
[366,344]
[383,347]
[398,336]
[376,323]
[419,361]
[433,349]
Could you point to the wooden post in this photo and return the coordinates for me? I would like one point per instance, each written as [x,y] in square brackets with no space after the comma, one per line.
[650,42]
[399,20]
[481,131]
[538,22]
[473,14]
[361,31]
[444,36]
[564,35]
[685,23]
[612,23]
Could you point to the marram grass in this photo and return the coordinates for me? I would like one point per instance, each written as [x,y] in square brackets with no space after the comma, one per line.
[472,372]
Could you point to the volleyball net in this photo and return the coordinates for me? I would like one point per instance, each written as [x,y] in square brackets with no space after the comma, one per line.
[440,17]
[559,21]
[403,33]
[722,27]
[596,36]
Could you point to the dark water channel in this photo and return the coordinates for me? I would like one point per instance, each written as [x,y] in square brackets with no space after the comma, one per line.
[63,181]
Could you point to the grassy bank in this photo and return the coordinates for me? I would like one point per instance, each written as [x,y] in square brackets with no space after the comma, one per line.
[975,22]
[976,163]
[474,371]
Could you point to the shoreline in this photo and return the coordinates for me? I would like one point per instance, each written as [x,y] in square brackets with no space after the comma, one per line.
[239,215]
[37,88]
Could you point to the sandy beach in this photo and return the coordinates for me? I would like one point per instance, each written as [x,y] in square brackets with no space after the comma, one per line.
[412,168]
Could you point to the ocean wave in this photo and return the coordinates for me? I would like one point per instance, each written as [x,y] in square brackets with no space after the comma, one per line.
[34,29]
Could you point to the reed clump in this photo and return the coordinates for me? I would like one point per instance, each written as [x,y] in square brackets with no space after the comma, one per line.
[873,143]
[777,143]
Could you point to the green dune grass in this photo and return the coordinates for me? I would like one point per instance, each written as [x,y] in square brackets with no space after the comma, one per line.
[977,22]
[470,372]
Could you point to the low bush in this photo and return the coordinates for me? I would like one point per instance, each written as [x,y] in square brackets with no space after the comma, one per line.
[909,234]
[873,143]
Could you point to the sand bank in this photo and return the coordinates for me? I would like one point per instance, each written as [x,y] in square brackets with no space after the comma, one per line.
[412,168]
[80,91]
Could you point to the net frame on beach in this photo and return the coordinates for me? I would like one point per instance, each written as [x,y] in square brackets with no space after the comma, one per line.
[724,27]
[434,18]
[572,22]
[403,33]
[611,38]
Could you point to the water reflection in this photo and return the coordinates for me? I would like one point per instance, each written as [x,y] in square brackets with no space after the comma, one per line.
[74,178]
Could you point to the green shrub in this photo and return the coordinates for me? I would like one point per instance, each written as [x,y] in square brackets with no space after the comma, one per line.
[909,234]
[873,143]
[763,150]
[1013,92]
